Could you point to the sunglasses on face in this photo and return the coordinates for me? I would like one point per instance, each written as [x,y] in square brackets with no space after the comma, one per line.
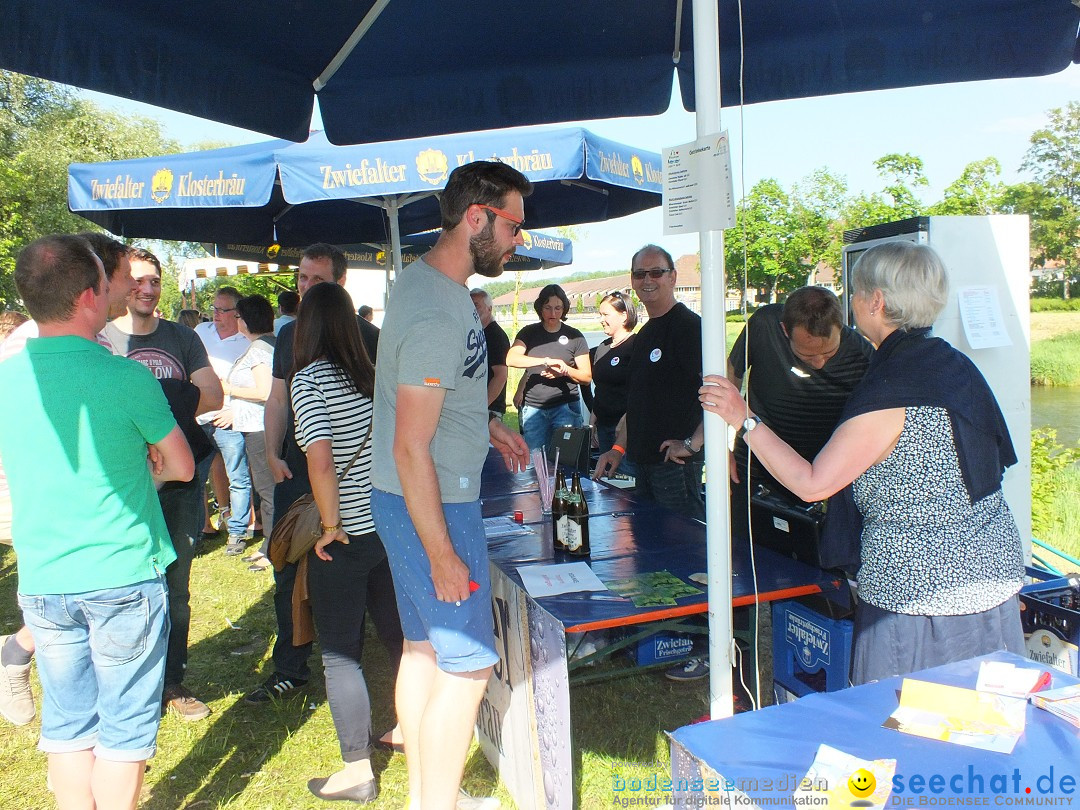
[652,272]
[499,212]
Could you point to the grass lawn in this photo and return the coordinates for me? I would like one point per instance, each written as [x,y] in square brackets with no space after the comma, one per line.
[262,756]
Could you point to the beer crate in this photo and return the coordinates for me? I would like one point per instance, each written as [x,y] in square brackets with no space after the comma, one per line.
[1051,622]
[811,651]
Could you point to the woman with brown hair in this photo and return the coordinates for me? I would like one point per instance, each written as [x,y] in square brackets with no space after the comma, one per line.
[556,357]
[611,371]
[331,386]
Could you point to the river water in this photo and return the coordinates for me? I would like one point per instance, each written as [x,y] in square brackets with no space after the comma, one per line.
[1051,406]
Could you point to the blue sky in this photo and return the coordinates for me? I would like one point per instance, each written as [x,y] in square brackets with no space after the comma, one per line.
[948,126]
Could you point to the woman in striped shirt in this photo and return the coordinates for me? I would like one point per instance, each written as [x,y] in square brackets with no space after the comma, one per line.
[331,386]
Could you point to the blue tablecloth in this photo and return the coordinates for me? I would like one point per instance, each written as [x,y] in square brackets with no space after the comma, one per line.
[629,537]
[779,743]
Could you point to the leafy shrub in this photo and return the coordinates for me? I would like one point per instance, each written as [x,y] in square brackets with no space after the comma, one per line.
[1055,305]
[1056,361]
[1049,458]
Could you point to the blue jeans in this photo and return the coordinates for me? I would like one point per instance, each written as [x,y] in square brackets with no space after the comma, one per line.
[183,519]
[101,660]
[675,486]
[538,423]
[231,445]
[605,437]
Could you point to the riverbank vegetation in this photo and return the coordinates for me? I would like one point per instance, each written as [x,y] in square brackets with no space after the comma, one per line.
[1056,361]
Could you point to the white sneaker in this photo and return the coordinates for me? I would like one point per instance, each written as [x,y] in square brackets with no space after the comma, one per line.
[16,701]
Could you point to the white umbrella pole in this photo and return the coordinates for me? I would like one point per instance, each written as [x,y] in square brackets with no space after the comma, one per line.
[394,265]
[714,361]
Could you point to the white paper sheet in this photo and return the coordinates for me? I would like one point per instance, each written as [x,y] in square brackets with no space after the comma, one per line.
[551,580]
[980,312]
[698,192]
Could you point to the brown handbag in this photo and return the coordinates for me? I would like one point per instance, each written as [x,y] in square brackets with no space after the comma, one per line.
[299,529]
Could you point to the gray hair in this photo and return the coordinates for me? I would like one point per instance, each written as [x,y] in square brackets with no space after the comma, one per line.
[480,292]
[912,279]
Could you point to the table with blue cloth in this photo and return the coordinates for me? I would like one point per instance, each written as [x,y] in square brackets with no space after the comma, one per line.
[758,758]
[524,721]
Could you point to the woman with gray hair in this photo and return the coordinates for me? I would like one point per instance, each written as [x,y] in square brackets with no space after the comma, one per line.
[917,458]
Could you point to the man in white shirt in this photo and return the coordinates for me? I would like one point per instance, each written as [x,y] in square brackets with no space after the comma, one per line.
[224,345]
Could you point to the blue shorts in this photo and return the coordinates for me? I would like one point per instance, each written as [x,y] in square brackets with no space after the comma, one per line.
[463,637]
[101,660]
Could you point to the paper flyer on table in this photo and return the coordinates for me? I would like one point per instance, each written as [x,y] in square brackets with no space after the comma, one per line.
[844,780]
[551,580]
[960,716]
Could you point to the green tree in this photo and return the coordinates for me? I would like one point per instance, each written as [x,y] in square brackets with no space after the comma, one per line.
[903,173]
[1053,160]
[977,191]
[43,128]
[817,205]
[763,241]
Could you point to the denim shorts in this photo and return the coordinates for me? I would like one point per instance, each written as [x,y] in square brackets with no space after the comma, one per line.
[101,660]
[463,637]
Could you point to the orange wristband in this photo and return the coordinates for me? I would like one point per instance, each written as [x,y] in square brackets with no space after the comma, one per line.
[622,450]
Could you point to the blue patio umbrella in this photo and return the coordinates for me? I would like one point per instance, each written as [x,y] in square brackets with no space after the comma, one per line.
[388,69]
[296,194]
[541,251]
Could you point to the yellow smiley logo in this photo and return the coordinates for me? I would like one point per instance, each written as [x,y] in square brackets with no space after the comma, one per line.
[861,783]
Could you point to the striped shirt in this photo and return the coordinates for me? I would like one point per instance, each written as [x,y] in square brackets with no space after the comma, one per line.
[328,408]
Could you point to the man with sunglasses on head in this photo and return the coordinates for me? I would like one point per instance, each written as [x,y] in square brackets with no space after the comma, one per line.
[431,433]
[665,374]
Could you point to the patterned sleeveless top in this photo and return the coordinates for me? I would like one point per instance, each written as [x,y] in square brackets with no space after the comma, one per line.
[926,550]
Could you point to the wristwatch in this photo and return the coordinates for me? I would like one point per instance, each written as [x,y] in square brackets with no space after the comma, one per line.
[751,422]
[688,443]
[492,415]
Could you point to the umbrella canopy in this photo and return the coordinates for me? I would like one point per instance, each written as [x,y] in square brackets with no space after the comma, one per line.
[296,194]
[541,251]
[425,68]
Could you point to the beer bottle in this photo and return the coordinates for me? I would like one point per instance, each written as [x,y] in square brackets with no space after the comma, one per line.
[577,527]
[558,512]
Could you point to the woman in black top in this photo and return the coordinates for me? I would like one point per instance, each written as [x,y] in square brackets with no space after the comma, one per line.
[557,359]
[611,370]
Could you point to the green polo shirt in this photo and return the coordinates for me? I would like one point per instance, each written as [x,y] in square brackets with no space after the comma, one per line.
[74,424]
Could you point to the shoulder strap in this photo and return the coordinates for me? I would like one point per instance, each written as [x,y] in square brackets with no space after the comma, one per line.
[356,455]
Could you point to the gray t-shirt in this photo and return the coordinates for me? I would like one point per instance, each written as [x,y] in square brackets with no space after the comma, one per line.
[432,337]
[171,351]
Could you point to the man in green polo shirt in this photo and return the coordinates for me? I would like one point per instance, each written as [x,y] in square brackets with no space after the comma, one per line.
[87,528]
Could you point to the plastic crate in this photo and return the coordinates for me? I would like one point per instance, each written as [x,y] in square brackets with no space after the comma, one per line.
[811,652]
[1051,622]
[660,648]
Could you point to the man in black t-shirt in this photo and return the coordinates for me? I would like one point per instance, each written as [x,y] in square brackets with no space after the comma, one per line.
[665,374]
[803,366]
[498,344]
[178,359]
[320,263]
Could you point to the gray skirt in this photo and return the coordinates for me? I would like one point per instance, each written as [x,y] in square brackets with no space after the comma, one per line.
[889,644]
